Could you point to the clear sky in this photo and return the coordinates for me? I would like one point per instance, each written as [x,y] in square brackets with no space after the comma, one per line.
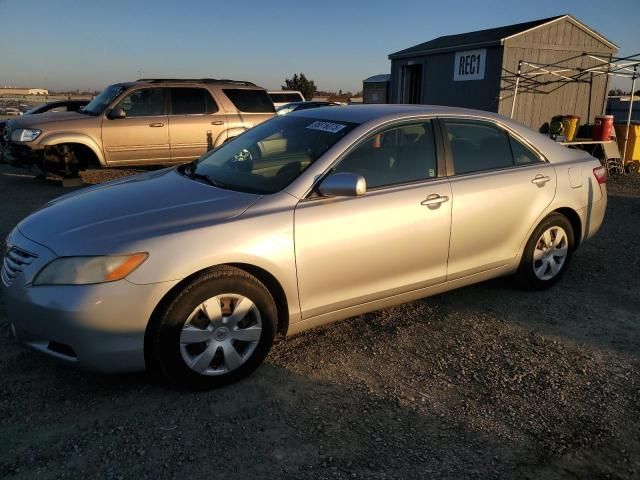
[70,44]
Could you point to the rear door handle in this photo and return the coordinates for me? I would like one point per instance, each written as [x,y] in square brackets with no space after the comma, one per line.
[434,200]
[156,124]
[217,122]
[540,179]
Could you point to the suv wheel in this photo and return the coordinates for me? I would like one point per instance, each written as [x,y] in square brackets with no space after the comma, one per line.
[217,331]
[547,253]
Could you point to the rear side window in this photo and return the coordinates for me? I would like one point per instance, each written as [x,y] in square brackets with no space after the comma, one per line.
[478,146]
[521,154]
[251,101]
[285,97]
[191,101]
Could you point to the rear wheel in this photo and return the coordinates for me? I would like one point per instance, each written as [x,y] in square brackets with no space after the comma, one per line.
[633,166]
[547,253]
[216,331]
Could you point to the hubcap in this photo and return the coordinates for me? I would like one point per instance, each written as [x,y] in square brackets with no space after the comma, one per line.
[550,253]
[220,334]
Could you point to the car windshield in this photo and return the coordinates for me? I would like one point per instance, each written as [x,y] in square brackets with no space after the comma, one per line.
[98,104]
[37,109]
[268,157]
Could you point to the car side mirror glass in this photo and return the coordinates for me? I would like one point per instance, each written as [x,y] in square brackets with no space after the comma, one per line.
[343,184]
[116,113]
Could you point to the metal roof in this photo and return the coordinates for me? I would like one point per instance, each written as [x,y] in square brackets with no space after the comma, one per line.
[384,77]
[485,38]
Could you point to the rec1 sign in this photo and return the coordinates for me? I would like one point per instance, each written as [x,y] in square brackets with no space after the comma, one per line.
[469,65]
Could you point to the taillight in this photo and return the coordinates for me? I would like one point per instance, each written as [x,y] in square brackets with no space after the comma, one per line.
[601,175]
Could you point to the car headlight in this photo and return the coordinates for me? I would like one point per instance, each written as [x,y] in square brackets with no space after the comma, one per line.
[25,134]
[86,270]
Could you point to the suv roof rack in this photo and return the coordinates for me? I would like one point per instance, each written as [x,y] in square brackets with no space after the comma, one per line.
[198,80]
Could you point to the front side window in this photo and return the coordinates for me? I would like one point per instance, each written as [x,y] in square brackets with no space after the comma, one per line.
[250,101]
[191,101]
[271,155]
[146,102]
[397,155]
[477,146]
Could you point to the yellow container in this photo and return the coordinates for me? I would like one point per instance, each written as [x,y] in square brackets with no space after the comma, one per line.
[570,123]
[633,142]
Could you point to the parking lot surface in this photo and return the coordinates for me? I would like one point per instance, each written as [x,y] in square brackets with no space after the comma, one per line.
[485,382]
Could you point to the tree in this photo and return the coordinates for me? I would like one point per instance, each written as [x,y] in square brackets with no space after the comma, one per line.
[302,84]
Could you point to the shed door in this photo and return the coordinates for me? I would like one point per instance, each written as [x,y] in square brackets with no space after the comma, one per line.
[411,84]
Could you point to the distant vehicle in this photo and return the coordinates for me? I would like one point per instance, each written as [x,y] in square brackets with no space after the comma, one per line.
[10,111]
[305,219]
[282,97]
[146,122]
[297,106]
[58,106]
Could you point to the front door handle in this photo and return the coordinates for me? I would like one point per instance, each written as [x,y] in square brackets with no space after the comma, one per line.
[540,179]
[156,124]
[434,200]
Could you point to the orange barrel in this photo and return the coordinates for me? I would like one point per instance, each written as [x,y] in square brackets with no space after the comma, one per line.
[603,128]
[570,123]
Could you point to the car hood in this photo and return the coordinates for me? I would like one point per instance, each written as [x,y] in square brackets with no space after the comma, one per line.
[113,217]
[27,121]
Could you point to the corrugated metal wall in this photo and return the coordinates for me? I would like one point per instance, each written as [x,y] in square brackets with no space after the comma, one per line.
[556,42]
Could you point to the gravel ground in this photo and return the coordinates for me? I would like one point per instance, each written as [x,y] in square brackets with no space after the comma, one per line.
[485,382]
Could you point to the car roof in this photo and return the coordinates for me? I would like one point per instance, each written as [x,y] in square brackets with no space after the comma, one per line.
[366,113]
[310,102]
[177,82]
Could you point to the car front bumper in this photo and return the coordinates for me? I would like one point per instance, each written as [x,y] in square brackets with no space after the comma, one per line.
[99,327]
[24,155]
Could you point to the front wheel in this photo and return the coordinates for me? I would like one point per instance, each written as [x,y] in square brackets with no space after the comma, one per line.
[547,253]
[217,331]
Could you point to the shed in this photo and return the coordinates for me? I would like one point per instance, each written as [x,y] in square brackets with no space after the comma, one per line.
[376,89]
[478,70]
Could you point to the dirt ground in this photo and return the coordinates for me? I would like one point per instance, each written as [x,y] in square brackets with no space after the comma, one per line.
[485,382]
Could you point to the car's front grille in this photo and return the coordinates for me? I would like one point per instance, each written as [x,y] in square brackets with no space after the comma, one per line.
[14,261]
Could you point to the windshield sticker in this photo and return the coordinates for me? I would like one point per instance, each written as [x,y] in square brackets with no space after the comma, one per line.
[326,126]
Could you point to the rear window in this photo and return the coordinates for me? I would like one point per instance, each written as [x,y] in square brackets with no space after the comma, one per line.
[251,101]
[190,101]
[285,97]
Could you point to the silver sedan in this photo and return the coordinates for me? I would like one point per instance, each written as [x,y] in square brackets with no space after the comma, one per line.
[308,218]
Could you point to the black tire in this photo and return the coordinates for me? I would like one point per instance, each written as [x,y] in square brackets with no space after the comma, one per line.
[633,166]
[162,345]
[526,273]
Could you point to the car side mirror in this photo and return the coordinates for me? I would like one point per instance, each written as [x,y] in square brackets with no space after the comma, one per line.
[343,184]
[117,113]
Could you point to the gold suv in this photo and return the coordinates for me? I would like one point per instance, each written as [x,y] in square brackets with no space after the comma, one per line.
[146,122]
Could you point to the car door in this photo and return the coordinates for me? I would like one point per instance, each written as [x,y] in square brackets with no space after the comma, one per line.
[392,239]
[500,185]
[195,123]
[143,135]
